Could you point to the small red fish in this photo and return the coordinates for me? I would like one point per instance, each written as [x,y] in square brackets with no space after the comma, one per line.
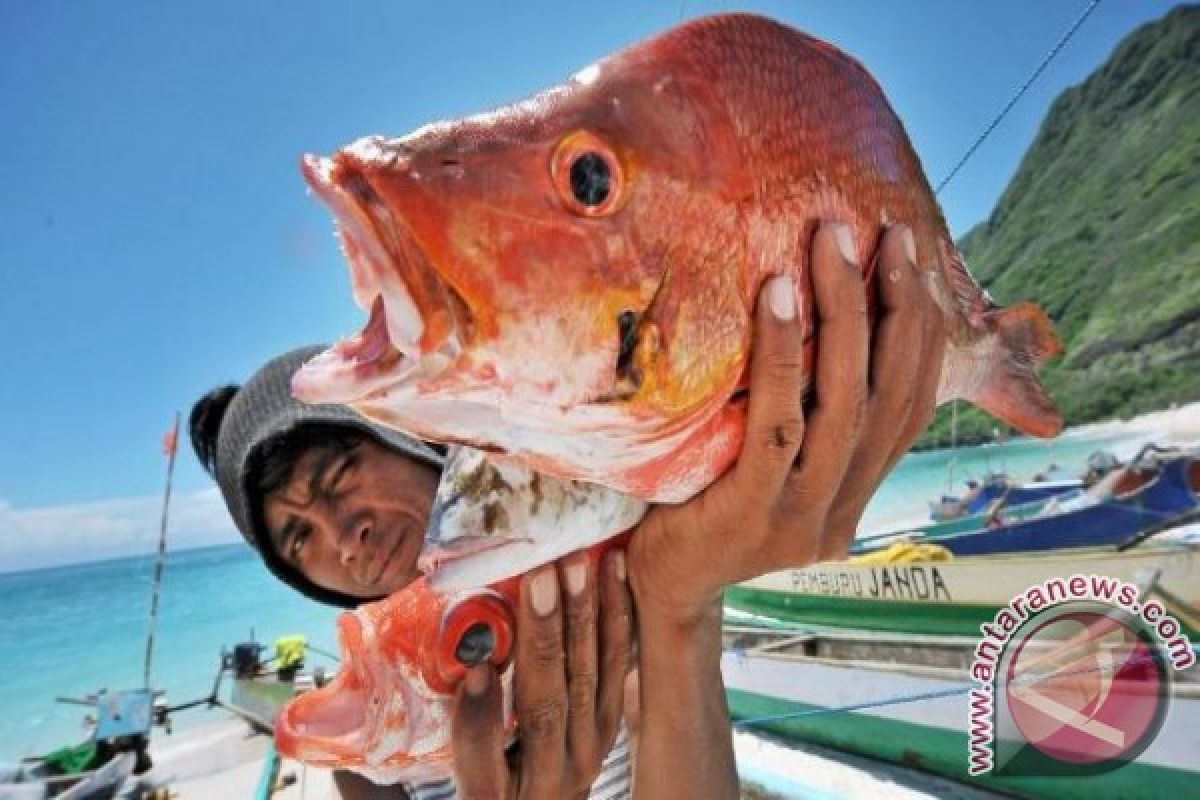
[386,713]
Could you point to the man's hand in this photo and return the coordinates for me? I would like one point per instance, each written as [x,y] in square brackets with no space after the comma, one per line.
[573,651]
[803,480]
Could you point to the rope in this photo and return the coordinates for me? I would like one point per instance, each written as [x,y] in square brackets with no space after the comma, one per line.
[321,652]
[1036,73]
[820,712]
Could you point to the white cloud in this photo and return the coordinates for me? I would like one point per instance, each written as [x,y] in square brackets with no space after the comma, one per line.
[42,537]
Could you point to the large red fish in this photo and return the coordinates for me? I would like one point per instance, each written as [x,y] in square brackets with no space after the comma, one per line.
[570,280]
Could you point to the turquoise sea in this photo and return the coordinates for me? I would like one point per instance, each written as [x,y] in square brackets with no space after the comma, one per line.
[72,630]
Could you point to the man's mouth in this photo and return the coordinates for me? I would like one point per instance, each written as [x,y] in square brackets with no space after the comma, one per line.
[413,314]
[384,560]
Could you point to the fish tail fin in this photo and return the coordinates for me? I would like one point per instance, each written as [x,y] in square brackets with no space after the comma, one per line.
[1025,339]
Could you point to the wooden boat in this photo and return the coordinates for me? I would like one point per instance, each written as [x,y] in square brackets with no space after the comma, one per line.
[1150,491]
[958,595]
[97,767]
[1134,498]
[998,514]
[259,688]
[903,700]
[999,489]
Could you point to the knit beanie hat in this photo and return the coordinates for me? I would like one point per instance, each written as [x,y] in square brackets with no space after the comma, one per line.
[264,409]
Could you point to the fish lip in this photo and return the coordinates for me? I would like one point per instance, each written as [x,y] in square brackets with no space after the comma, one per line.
[384,259]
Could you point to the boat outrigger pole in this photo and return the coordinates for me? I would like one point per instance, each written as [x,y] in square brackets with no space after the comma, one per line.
[170,446]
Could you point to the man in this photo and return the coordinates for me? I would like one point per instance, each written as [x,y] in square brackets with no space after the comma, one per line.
[337,509]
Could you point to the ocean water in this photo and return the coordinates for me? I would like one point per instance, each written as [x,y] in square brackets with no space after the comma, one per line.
[73,630]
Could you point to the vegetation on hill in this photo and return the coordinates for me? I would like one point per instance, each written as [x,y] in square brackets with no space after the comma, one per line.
[1101,227]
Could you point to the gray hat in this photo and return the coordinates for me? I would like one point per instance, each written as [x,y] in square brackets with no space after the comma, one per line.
[264,409]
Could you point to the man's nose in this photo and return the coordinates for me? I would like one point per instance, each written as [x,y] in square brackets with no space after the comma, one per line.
[354,535]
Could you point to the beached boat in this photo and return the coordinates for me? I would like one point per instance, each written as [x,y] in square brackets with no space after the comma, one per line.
[956,596]
[1000,513]
[999,489]
[1156,487]
[259,688]
[1146,493]
[904,700]
[97,767]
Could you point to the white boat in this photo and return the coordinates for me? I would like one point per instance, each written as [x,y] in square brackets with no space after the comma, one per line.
[904,699]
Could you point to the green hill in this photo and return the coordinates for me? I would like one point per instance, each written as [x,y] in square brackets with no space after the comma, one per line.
[1101,226]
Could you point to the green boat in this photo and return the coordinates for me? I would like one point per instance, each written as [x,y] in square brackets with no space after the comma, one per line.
[956,596]
[903,700]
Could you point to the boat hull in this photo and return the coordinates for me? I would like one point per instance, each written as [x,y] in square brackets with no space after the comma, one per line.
[930,734]
[955,597]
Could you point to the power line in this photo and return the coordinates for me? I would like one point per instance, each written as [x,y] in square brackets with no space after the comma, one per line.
[1037,72]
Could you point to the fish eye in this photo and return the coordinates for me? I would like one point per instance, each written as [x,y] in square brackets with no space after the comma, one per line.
[590,180]
[587,175]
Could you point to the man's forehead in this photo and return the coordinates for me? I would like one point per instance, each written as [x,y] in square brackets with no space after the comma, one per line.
[298,489]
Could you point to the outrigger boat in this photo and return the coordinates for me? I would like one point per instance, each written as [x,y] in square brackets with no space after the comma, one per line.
[904,700]
[999,489]
[1156,487]
[957,595]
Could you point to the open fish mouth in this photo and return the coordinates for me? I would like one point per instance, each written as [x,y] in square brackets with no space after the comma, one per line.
[414,317]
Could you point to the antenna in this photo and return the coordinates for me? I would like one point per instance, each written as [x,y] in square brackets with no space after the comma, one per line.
[1004,112]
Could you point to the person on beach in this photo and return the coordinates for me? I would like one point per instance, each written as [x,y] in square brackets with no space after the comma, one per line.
[337,508]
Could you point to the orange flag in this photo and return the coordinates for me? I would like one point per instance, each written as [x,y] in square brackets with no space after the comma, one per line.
[170,442]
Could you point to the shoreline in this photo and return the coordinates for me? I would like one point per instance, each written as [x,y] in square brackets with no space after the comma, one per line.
[1180,422]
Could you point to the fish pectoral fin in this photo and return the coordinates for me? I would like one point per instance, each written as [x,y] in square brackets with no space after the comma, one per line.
[1025,338]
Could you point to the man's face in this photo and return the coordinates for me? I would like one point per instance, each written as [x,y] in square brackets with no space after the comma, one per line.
[353,521]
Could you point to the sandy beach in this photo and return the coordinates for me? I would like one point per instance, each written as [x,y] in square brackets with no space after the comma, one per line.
[226,759]
[1179,425]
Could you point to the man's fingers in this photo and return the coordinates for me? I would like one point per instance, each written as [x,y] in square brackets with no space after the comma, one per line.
[897,346]
[775,424]
[540,681]
[582,663]
[616,619]
[930,375]
[477,736]
[841,366]
[896,364]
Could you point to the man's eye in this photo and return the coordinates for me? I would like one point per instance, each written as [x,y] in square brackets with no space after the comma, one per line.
[296,545]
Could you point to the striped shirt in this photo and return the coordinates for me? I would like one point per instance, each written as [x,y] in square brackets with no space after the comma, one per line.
[614,782]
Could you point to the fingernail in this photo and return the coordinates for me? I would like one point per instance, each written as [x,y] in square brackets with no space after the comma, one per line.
[576,575]
[782,296]
[845,243]
[477,679]
[616,562]
[633,691]
[910,246]
[543,593]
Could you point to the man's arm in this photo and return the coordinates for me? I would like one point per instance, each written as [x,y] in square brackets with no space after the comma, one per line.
[684,745]
[794,496]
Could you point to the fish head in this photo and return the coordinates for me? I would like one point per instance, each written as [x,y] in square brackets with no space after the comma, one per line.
[557,279]
[386,714]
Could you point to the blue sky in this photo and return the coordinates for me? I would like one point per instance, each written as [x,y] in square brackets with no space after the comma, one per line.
[156,238]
